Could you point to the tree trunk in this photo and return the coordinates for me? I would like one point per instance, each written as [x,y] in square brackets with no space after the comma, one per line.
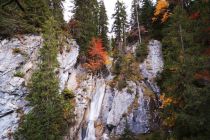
[124,40]
[180,30]
[137,17]
[181,37]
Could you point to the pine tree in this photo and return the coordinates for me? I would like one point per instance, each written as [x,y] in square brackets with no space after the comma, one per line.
[103,25]
[186,113]
[135,16]
[135,13]
[86,14]
[57,10]
[37,12]
[19,17]
[146,13]
[141,16]
[120,22]
[46,119]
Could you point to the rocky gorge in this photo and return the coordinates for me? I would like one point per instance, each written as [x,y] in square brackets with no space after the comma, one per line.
[101,111]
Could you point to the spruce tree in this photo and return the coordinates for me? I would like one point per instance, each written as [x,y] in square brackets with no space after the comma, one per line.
[57,10]
[37,12]
[120,21]
[146,13]
[27,16]
[134,8]
[103,25]
[186,115]
[86,14]
[45,121]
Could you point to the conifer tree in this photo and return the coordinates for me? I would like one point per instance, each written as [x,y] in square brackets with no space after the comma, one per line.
[86,14]
[120,22]
[146,13]
[183,63]
[46,119]
[134,14]
[27,16]
[103,25]
[57,10]
[141,15]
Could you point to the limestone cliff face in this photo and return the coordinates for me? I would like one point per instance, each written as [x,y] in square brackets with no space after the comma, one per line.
[133,107]
[18,60]
[16,56]
[100,110]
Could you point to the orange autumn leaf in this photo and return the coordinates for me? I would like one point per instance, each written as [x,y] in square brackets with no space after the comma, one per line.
[97,56]
[161,7]
[165,16]
[161,10]
[165,101]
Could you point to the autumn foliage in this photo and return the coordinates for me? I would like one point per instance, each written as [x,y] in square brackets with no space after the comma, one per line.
[97,56]
[161,10]
[165,101]
[203,75]
[195,15]
[170,120]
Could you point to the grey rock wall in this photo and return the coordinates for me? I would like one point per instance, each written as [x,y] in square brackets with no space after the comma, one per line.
[133,107]
[16,56]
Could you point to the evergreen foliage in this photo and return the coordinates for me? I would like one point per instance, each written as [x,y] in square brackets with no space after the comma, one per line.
[47,118]
[27,16]
[141,52]
[183,28]
[86,14]
[146,13]
[120,21]
[135,7]
[140,23]
[103,25]
[19,74]
[68,94]
[186,114]
[127,135]
[126,69]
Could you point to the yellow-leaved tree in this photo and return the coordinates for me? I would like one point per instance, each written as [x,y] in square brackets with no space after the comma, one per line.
[161,10]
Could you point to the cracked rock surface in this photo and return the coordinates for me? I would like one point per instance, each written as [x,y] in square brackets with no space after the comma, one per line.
[16,56]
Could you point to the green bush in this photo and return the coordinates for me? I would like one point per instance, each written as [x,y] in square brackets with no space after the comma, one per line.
[121,84]
[126,68]
[68,94]
[19,74]
[141,52]
[16,51]
[19,51]
[129,90]
[130,68]
[127,134]
[116,67]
